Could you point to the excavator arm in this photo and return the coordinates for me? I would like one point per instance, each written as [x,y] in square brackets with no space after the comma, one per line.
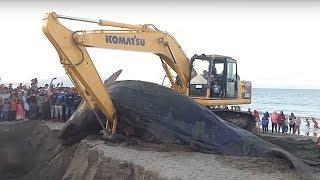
[71,47]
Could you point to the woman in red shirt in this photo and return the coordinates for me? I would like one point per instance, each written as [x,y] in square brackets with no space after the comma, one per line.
[281,119]
[274,121]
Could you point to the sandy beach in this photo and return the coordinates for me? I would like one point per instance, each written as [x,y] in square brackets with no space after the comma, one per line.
[93,158]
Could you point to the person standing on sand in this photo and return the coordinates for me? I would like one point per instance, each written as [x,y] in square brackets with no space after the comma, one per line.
[46,107]
[256,117]
[281,119]
[315,123]
[33,111]
[267,113]
[291,122]
[265,123]
[5,110]
[20,110]
[4,98]
[25,103]
[40,101]
[297,125]
[308,123]
[12,108]
[285,125]
[274,121]
[58,106]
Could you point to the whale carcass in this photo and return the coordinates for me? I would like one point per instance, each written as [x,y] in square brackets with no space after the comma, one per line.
[153,112]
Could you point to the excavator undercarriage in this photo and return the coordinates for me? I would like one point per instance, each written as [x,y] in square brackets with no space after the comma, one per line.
[244,120]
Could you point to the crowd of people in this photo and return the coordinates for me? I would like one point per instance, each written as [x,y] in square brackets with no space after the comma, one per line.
[279,122]
[50,102]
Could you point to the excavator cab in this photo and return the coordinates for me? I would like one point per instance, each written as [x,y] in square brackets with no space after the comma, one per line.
[215,83]
[213,77]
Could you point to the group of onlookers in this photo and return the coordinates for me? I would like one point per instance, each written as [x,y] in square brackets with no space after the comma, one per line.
[46,103]
[279,122]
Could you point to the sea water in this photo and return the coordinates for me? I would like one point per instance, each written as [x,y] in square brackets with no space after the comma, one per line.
[302,102]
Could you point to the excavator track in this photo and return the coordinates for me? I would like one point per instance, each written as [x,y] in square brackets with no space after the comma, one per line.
[244,120]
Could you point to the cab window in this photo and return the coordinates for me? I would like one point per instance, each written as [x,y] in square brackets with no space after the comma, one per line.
[232,71]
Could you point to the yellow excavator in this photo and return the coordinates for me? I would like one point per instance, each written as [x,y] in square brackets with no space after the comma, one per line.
[211,80]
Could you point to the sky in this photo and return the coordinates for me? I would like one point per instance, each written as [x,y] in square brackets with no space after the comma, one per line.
[276,44]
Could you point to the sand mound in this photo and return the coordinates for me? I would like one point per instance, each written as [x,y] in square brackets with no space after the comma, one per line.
[27,150]
[32,150]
